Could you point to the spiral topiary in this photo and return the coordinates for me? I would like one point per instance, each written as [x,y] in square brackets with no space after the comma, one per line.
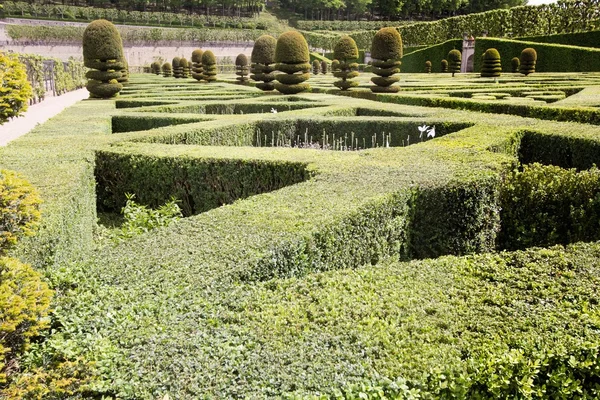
[386,50]
[185,67]
[177,70]
[263,58]
[103,52]
[346,52]
[293,60]
[427,67]
[454,61]
[444,65]
[515,63]
[324,67]
[492,66]
[167,70]
[209,66]
[316,67]
[197,64]
[241,68]
[528,60]
[335,66]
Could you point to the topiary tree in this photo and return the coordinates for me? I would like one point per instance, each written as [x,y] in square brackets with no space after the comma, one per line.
[316,67]
[185,67]
[124,78]
[209,66]
[335,66]
[241,68]
[15,91]
[528,60]
[386,50]
[167,70]
[197,64]
[492,66]
[515,63]
[103,53]
[444,65]
[293,60]
[263,58]
[346,52]
[428,67]
[454,61]
[177,70]
[155,68]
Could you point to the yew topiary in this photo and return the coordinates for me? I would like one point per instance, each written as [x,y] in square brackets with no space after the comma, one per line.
[428,67]
[155,68]
[454,61]
[335,66]
[316,67]
[444,65]
[293,60]
[528,60]
[177,70]
[324,67]
[103,51]
[241,68]
[346,52]
[197,64]
[209,66]
[263,58]
[124,76]
[386,50]
[185,67]
[492,66]
[167,70]
[515,63]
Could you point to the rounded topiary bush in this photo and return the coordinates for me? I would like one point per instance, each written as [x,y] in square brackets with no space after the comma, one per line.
[177,70]
[335,66]
[324,67]
[103,51]
[167,70]
[316,67]
[444,65]
[428,67]
[293,60]
[515,63]
[386,50]
[155,68]
[197,64]
[185,67]
[346,52]
[262,59]
[241,68]
[492,66]
[528,59]
[454,61]
[209,66]
[16,90]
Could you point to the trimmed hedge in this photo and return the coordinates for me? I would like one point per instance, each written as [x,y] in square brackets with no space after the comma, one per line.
[580,39]
[413,62]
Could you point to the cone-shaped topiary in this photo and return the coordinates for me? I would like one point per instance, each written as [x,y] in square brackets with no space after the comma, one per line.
[454,61]
[155,67]
[444,65]
[492,66]
[335,66]
[528,60]
[515,63]
[386,50]
[293,60]
[103,52]
[324,67]
[346,52]
[177,71]
[263,58]
[185,67]
[209,65]
[316,67]
[241,68]
[428,67]
[197,64]
[167,70]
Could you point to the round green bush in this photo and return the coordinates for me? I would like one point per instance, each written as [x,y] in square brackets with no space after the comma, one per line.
[324,67]
[316,67]
[428,66]
[155,67]
[209,65]
[335,65]
[101,41]
[175,63]
[454,61]
[444,66]
[197,56]
[345,49]
[263,51]
[528,60]
[15,91]
[185,67]
[387,44]
[241,60]
[515,63]
[291,48]
[167,70]
[492,66]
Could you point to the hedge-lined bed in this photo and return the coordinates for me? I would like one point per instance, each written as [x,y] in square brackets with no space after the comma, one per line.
[291,274]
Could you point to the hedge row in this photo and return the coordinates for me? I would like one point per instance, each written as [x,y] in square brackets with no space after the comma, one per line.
[581,39]
[316,25]
[415,61]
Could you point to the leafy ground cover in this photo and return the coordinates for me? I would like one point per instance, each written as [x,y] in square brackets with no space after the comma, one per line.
[308,265]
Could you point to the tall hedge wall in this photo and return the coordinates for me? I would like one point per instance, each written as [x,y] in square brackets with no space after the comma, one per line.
[551,57]
[415,61]
[583,39]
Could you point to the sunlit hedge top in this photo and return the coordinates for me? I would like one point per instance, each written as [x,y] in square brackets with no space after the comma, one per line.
[345,49]
[454,56]
[208,58]
[387,45]
[264,50]
[102,41]
[292,48]
[241,60]
[491,54]
[176,62]
[528,55]
[197,56]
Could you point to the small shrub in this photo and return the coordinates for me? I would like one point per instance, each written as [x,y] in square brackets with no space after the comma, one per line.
[492,66]
[528,60]
[324,67]
[316,67]
[241,68]
[141,219]
[427,67]
[444,65]
[335,66]
[185,68]
[386,50]
[515,63]
[209,66]
[167,70]
[346,52]
[177,70]
[155,67]
[197,70]
[262,59]
[454,61]
[293,60]
[16,90]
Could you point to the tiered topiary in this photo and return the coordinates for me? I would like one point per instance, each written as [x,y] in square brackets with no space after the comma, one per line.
[324,67]
[124,73]
[492,66]
[515,63]
[177,70]
[444,66]
[209,66]
[185,67]
[428,67]
[155,68]
[346,52]
[335,66]
[103,53]
[263,58]
[386,50]
[316,67]
[167,70]
[293,60]
[454,61]
[528,60]
[197,64]
[241,68]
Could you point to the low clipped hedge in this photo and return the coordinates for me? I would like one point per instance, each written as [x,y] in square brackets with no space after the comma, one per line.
[580,39]
[414,61]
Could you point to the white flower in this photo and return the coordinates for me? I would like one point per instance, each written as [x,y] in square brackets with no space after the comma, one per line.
[274,111]
[431,132]
[422,129]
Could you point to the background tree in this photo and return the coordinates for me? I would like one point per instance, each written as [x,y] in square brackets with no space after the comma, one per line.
[386,50]
[324,67]
[316,67]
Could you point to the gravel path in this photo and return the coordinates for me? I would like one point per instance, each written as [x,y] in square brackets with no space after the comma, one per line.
[38,114]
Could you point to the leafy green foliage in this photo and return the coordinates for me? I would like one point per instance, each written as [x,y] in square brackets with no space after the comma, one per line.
[387,45]
[103,50]
[140,219]
[16,90]
[263,51]
[492,66]
[293,59]
[291,48]
[345,49]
